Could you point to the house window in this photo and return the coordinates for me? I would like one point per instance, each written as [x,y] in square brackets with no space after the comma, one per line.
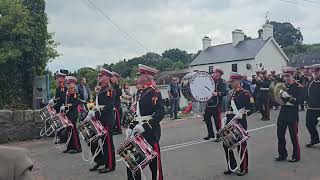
[234,67]
[210,69]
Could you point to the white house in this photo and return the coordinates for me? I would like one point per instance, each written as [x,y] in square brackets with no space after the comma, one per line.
[242,56]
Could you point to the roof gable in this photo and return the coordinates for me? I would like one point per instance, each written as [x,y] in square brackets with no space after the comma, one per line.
[244,50]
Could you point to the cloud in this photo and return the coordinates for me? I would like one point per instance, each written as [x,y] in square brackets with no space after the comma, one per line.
[87,39]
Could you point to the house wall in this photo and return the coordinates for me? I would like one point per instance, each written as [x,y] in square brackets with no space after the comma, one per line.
[271,58]
[227,68]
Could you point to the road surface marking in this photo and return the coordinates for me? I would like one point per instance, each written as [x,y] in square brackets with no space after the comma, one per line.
[186,144]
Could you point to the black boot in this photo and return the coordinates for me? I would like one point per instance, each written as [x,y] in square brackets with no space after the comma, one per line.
[279,158]
[95,167]
[105,170]
[241,172]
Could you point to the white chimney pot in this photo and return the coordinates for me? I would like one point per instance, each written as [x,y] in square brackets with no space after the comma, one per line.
[206,43]
[237,36]
[267,31]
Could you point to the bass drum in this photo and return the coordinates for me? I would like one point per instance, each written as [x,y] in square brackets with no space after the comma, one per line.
[197,86]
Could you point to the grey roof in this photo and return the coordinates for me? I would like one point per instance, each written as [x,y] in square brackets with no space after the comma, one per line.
[247,49]
[304,59]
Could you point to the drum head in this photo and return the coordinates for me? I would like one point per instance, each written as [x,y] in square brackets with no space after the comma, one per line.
[198,86]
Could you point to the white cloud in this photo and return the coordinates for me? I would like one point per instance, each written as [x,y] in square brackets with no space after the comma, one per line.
[88,40]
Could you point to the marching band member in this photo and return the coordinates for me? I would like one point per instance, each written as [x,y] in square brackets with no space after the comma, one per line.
[241,99]
[151,107]
[71,108]
[118,111]
[313,106]
[105,101]
[59,100]
[214,105]
[61,90]
[263,96]
[289,116]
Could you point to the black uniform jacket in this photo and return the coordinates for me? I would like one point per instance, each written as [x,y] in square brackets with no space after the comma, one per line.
[106,97]
[151,104]
[290,113]
[118,94]
[241,99]
[72,103]
[60,97]
[313,95]
[221,89]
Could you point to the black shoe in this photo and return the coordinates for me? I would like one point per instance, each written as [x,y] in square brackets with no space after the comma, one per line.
[311,144]
[292,160]
[177,117]
[241,172]
[280,158]
[208,138]
[66,151]
[218,139]
[95,167]
[227,172]
[105,170]
[75,151]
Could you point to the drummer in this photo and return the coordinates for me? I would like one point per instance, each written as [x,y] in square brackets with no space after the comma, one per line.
[241,99]
[105,101]
[214,105]
[150,104]
[71,109]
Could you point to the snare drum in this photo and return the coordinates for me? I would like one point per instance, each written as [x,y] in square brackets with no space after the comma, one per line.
[47,113]
[197,86]
[233,134]
[91,130]
[60,122]
[137,153]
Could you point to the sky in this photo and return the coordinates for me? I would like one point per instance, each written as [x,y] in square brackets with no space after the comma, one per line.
[87,39]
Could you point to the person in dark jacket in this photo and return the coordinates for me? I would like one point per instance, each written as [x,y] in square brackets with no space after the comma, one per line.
[174,96]
[117,106]
[84,90]
[263,96]
[312,100]
[214,105]
[289,116]
[151,106]
[241,100]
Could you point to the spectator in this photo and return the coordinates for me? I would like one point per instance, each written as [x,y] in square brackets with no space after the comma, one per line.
[127,94]
[84,91]
[174,96]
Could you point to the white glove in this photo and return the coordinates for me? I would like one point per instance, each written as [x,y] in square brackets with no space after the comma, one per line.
[91,114]
[129,133]
[284,94]
[138,129]
[51,102]
[62,108]
[224,121]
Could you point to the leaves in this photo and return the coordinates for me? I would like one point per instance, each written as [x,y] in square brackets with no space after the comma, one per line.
[285,34]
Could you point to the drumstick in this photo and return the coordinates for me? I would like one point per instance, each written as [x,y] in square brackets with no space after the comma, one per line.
[208,88]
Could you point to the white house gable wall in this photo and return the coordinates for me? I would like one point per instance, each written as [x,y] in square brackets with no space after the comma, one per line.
[270,57]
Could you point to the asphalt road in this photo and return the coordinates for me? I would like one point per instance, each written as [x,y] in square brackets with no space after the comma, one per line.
[185,156]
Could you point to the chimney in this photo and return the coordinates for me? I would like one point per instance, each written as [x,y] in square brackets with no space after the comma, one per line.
[267,31]
[206,42]
[237,36]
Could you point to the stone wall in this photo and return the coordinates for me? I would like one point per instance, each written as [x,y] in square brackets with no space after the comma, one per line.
[19,125]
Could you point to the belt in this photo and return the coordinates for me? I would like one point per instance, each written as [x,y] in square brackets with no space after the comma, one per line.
[99,107]
[143,118]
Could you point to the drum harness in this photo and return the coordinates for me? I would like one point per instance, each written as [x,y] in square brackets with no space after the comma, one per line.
[45,130]
[238,115]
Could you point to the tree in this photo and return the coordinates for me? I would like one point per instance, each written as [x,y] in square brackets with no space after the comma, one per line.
[25,49]
[177,55]
[285,34]
[90,74]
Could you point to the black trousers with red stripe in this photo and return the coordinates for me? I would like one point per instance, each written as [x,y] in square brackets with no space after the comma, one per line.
[214,112]
[231,159]
[74,143]
[117,115]
[107,156]
[281,133]
[155,166]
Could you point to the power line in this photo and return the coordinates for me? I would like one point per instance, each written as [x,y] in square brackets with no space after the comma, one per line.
[301,3]
[126,34]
